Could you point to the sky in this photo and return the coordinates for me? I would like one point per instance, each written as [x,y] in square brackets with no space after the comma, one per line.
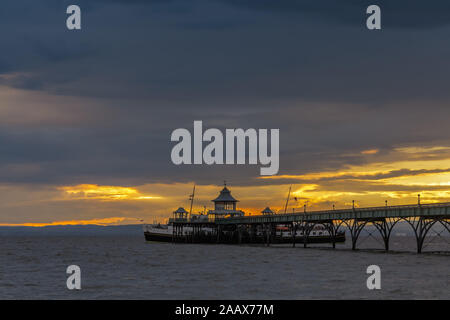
[86,116]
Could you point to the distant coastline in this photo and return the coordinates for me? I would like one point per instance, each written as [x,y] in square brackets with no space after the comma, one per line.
[73,230]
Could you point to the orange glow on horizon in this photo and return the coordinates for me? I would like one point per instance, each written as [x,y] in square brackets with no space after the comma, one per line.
[397,176]
[96,192]
[98,222]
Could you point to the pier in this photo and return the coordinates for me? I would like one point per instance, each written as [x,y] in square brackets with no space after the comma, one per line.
[229,225]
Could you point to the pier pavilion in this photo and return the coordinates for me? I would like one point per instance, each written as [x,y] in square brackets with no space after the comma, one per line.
[225,205]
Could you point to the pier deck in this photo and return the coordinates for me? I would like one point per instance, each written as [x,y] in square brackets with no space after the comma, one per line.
[421,217]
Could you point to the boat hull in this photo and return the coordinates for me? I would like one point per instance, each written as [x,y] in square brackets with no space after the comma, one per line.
[230,238]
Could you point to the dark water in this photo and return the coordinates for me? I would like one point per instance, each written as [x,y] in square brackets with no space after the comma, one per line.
[124,266]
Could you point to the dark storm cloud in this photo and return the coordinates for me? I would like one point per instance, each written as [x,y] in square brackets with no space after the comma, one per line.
[399,13]
[208,52]
[154,66]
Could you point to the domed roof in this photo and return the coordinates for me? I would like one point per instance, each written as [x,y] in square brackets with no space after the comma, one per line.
[267,210]
[180,210]
[225,196]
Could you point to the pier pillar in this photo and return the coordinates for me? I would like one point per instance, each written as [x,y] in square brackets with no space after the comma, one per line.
[267,232]
[306,231]
[219,230]
[332,230]
[385,227]
[421,228]
[293,233]
[253,233]
[355,227]
[239,233]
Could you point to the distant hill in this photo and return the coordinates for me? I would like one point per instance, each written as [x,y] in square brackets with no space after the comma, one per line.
[77,230]
[136,230]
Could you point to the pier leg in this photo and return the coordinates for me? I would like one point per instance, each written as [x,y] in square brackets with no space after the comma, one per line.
[306,231]
[273,233]
[332,230]
[293,232]
[252,233]
[421,228]
[385,227]
[218,233]
[239,231]
[333,235]
[355,228]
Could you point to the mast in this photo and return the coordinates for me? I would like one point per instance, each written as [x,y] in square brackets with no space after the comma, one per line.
[287,200]
[191,197]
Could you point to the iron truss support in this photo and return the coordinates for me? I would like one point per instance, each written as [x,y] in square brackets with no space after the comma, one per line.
[219,233]
[385,226]
[332,229]
[421,226]
[293,228]
[445,223]
[307,228]
[355,226]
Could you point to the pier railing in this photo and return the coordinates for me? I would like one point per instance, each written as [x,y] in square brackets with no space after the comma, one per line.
[401,211]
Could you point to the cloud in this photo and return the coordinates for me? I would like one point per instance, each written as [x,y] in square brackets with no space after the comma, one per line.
[370,151]
[154,55]
[97,107]
[327,176]
[105,193]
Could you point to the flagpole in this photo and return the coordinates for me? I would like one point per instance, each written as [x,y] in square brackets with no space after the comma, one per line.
[192,200]
[287,200]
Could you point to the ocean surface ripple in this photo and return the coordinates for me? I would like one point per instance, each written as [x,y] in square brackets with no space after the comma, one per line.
[126,267]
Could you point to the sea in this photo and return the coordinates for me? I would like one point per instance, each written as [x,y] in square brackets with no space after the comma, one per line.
[117,263]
